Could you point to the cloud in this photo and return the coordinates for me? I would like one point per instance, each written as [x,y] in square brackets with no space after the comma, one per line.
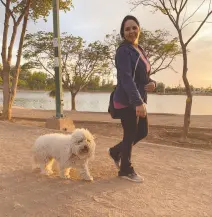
[204,34]
[87,26]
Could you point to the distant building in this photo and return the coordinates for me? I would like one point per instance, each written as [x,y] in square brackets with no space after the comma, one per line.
[198,90]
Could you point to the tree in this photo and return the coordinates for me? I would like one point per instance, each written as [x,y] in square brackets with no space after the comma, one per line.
[107,85]
[23,76]
[19,11]
[176,11]
[160,88]
[0,69]
[1,81]
[80,62]
[113,41]
[23,84]
[25,72]
[93,84]
[1,74]
[37,81]
[50,83]
[191,87]
[160,50]
[168,90]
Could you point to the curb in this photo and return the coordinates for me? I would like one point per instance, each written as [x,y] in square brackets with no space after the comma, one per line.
[115,123]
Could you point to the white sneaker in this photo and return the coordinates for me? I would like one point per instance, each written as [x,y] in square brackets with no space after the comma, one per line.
[133,177]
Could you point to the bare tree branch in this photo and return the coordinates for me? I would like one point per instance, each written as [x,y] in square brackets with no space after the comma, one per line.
[184,17]
[200,26]
[64,61]
[78,65]
[11,13]
[175,4]
[182,5]
[5,35]
[157,58]
[86,82]
[177,12]
[172,6]
[159,68]
[15,27]
[209,7]
[168,13]
[173,69]
[145,3]
[195,22]
[22,14]
[19,55]
[45,67]
[193,12]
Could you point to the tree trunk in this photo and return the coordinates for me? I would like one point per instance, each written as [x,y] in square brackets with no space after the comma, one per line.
[6,65]
[187,114]
[6,115]
[10,49]
[9,93]
[73,102]
[18,61]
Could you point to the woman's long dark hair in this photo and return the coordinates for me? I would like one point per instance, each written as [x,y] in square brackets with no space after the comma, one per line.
[128,17]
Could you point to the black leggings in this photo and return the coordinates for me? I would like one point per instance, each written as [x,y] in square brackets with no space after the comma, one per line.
[134,129]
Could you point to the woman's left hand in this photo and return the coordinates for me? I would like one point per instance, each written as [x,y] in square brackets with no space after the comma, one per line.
[150,87]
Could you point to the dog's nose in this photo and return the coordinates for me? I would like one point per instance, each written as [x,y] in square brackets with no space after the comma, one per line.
[85,149]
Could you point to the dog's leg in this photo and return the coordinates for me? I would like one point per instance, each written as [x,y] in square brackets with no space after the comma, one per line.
[43,169]
[64,173]
[84,172]
[64,169]
[67,173]
[49,166]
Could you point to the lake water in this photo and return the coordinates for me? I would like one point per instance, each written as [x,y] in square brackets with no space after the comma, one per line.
[98,102]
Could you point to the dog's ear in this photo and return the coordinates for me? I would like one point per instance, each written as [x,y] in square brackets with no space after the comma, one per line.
[94,136]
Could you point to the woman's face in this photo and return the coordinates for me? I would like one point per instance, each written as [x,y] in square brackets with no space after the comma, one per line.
[131,31]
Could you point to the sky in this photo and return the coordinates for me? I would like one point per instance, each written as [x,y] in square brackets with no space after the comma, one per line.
[93,19]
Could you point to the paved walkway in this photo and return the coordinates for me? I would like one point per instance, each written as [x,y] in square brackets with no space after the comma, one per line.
[198,121]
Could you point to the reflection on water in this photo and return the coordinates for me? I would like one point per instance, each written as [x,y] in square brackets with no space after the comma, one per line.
[98,102]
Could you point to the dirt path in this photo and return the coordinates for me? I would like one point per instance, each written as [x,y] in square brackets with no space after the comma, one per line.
[178,182]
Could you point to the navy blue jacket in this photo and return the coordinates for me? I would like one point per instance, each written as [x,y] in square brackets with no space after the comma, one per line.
[128,91]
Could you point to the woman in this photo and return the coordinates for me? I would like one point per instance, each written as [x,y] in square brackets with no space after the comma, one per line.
[133,83]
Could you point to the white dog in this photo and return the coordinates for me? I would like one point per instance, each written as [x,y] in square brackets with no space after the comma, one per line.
[73,150]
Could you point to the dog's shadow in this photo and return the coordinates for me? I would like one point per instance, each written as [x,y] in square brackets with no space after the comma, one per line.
[30,188]
[106,181]
[37,192]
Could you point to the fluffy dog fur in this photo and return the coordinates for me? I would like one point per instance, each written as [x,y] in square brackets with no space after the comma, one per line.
[72,150]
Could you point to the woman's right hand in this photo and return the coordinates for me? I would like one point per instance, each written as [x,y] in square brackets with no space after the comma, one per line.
[141,111]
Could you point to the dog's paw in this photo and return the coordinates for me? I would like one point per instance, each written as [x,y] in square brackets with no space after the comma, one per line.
[44,172]
[64,177]
[67,177]
[49,172]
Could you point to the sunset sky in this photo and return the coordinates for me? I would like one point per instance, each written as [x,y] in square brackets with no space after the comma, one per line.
[93,19]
